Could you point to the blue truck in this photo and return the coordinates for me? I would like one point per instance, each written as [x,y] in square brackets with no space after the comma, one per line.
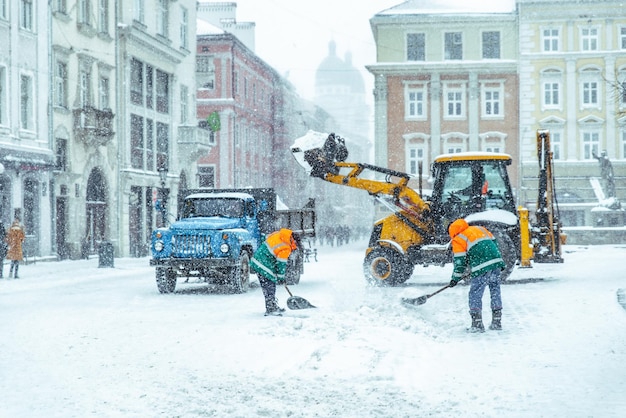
[217,231]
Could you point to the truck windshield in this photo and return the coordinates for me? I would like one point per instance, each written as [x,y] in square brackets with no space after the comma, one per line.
[230,208]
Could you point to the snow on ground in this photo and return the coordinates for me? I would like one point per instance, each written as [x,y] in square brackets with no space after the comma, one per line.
[82,341]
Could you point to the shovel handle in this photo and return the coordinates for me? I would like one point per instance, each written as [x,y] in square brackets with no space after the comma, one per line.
[288,291]
[439,291]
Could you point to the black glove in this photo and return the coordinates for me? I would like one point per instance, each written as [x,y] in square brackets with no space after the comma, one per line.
[453,283]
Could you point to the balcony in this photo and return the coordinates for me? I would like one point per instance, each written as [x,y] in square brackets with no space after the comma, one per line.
[194,141]
[93,126]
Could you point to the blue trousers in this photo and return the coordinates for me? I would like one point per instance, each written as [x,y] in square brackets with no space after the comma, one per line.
[477,289]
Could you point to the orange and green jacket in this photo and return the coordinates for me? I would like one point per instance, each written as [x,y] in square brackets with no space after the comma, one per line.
[474,248]
[270,259]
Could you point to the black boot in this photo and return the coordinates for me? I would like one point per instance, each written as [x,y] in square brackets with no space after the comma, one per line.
[496,320]
[477,322]
[272,308]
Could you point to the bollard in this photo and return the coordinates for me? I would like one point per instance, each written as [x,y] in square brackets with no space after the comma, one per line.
[105,254]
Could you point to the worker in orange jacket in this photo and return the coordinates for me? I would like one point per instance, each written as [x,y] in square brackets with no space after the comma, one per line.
[476,254]
[270,263]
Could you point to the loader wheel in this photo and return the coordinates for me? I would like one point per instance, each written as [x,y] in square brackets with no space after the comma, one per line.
[386,267]
[508,251]
[165,279]
[239,279]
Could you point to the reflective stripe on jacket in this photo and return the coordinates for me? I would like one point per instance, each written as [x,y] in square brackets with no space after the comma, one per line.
[474,248]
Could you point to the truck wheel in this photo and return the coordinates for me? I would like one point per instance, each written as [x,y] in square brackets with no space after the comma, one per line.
[508,251]
[239,279]
[165,279]
[386,267]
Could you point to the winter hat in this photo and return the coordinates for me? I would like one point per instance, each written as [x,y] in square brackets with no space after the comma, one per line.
[457,227]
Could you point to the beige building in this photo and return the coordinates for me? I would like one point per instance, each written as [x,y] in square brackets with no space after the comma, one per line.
[572,68]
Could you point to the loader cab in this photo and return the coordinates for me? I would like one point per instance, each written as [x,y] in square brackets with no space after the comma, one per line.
[466,183]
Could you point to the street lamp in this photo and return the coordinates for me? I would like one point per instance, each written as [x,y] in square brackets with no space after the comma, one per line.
[163,177]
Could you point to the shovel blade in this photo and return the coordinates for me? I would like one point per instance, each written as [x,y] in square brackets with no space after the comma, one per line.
[415,301]
[297,302]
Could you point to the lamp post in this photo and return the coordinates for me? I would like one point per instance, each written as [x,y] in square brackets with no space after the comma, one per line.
[163,177]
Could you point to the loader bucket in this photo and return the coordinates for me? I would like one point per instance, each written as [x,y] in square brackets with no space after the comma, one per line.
[317,152]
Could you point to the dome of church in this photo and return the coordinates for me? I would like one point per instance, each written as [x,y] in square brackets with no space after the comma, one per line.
[333,71]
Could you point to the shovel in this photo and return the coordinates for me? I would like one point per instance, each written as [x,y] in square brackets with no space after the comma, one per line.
[297,302]
[422,299]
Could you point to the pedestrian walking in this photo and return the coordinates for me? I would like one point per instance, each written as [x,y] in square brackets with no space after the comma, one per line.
[15,239]
[270,263]
[4,247]
[476,254]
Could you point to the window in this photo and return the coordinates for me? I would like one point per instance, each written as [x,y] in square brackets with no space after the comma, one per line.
[139,11]
[84,12]
[85,87]
[453,46]
[150,145]
[555,144]
[589,39]
[103,16]
[149,87]
[162,145]
[591,144]
[104,93]
[551,88]
[3,9]
[623,135]
[26,102]
[61,6]
[162,18]
[206,176]
[416,47]
[491,45]
[590,93]
[454,102]
[492,101]
[590,88]
[184,28]
[162,92]
[205,72]
[3,95]
[184,104]
[454,149]
[551,40]
[136,141]
[26,14]
[415,154]
[136,82]
[61,154]
[622,37]
[415,102]
[60,84]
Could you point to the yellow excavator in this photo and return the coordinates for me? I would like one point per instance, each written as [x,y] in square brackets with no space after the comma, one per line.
[470,185]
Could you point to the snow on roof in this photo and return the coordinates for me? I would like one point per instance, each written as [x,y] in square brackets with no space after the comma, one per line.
[224,195]
[205,28]
[451,6]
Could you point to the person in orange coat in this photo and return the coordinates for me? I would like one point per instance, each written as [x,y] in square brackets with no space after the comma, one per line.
[270,263]
[15,238]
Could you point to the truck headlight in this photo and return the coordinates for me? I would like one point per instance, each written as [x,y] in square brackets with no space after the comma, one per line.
[158,246]
[224,248]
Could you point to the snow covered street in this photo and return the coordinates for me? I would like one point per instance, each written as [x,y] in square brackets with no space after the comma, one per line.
[78,341]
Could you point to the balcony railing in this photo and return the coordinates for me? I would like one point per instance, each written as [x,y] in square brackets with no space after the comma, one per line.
[93,126]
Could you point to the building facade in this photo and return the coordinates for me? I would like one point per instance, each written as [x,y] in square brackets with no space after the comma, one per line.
[26,156]
[251,114]
[445,81]
[572,69]
[157,126]
[83,130]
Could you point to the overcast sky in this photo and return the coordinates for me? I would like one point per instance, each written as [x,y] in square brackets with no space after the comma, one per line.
[293,36]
